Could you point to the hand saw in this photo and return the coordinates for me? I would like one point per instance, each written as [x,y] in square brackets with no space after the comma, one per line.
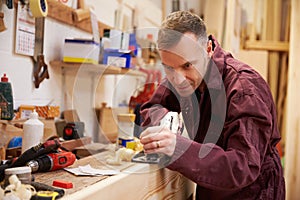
[9,4]
[40,71]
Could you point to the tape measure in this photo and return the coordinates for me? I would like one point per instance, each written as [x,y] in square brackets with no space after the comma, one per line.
[38,8]
[46,195]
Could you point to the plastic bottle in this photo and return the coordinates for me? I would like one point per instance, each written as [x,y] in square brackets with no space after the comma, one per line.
[33,132]
[6,99]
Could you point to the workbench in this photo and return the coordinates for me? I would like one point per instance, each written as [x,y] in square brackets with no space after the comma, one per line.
[136,181]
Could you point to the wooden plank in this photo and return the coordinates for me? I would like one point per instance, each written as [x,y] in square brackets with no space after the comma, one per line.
[267,45]
[265,18]
[152,183]
[81,4]
[76,17]
[282,87]
[281,99]
[253,33]
[157,183]
[213,21]
[60,12]
[271,32]
[85,25]
[163,9]
[274,34]
[81,14]
[257,59]
[72,144]
[292,147]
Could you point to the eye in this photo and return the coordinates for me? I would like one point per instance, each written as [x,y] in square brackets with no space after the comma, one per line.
[187,65]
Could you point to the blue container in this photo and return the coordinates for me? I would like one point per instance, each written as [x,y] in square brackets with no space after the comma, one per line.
[117,57]
[123,142]
[15,142]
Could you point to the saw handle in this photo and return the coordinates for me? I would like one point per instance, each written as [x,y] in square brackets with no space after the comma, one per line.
[40,71]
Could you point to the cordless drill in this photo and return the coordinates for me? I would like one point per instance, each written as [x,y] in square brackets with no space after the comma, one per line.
[52,161]
[34,152]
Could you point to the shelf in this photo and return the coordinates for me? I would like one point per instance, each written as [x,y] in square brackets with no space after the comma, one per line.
[107,70]
[68,15]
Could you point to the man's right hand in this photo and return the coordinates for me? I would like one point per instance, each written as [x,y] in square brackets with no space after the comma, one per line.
[158,139]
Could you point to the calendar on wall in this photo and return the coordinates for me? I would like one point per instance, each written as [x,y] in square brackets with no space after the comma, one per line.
[25,31]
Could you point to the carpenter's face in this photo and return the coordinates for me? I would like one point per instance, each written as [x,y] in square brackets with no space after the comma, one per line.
[185,64]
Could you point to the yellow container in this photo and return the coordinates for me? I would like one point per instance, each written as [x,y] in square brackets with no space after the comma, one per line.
[125,128]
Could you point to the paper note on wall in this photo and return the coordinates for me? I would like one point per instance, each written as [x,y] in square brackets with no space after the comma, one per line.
[25,32]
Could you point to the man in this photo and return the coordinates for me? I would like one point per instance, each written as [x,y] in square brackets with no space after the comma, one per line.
[228,112]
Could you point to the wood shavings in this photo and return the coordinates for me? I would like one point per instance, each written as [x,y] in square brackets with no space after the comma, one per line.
[18,190]
[123,154]
[138,145]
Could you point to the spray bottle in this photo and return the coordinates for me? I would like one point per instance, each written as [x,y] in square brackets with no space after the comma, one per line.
[6,99]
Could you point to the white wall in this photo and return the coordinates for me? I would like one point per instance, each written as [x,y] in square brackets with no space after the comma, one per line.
[19,68]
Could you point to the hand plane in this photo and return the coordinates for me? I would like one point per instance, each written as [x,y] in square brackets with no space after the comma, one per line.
[174,123]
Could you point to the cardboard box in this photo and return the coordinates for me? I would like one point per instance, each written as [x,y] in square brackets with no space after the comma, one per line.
[81,51]
[108,122]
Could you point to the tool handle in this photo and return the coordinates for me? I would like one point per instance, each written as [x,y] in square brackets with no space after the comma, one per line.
[9,4]
[43,187]
[40,71]
[2,169]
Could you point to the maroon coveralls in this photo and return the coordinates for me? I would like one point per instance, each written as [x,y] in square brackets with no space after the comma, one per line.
[243,162]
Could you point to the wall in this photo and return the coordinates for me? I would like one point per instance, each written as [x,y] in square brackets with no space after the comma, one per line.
[83,91]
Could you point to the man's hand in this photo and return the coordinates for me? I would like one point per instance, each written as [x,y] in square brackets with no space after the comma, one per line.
[158,139]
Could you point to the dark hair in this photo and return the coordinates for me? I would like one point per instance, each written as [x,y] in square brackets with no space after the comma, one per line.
[178,23]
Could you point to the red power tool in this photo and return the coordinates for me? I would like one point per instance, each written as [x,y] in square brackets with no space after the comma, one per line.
[52,161]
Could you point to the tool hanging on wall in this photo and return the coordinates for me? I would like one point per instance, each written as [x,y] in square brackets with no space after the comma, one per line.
[153,79]
[2,25]
[9,4]
[39,10]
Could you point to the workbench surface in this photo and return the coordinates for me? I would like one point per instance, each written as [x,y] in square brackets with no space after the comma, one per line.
[136,181]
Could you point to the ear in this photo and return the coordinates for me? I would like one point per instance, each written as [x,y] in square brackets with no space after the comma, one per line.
[209,48]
